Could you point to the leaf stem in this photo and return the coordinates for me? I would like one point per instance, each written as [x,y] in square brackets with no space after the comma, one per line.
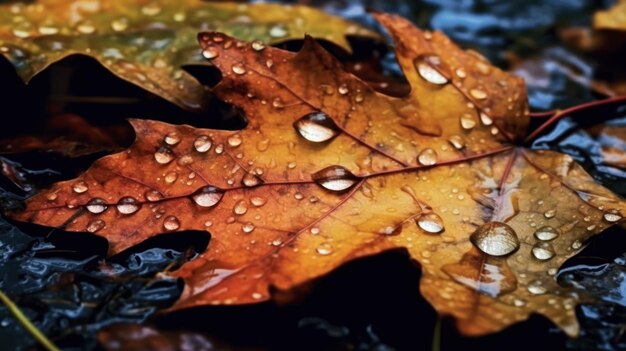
[27,324]
[437,335]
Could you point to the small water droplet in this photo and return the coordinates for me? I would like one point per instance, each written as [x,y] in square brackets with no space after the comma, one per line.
[248,227]
[277,103]
[251,180]
[96,205]
[495,239]
[457,142]
[536,288]
[171,177]
[343,89]
[577,244]
[171,223]
[151,9]
[164,155]
[52,196]
[460,72]
[258,45]
[235,140]
[427,157]
[612,216]
[278,31]
[207,196]
[80,187]
[172,139]
[391,230]
[120,24]
[467,121]
[128,205]
[257,201]
[546,233]
[519,303]
[478,94]
[95,226]
[153,195]
[316,127]
[210,53]
[430,222]
[277,242]
[485,119]
[543,251]
[239,68]
[86,27]
[549,213]
[314,230]
[335,178]
[240,208]
[425,66]
[324,249]
[203,143]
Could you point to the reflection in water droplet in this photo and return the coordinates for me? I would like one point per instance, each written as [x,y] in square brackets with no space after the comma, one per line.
[543,251]
[324,249]
[127,205]
[335,178]
[316,127]
[425,66]
[495,239]
[546,233]
[164,155]
[239,68]
[95,226]
[203,143]
[207,196]
[96,205]
[430,222]
[536,288]
[612,216]
[427,157]
[240,208]
[80,187]
[171,223]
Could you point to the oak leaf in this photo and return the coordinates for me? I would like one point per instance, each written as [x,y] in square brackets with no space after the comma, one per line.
[329,170]
[147,43]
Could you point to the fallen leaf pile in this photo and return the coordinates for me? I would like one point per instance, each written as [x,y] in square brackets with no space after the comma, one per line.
[329,170]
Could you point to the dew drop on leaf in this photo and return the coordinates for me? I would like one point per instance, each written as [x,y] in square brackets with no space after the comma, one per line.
[278,31]
[430,222]
[316,127]
[467,121]
[536,288]
[485,119]
[210,53]
[251,180]
[240,208]
[258,45]
[171,223]
[425,68]
[612,216]
[335,178]
[549,213]
[164,155]
[257,201]
[324,249]
[96,205]
[248,227]
[172,139]
[543,251]
[495,239]
[203,143]
[239,68]
[235,140]
[546,233]
[80,187]
[457,142]
[127,205]
[427,157]
[478,94]
[153,195]
[207,196]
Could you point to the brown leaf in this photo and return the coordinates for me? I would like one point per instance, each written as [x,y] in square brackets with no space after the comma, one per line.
[147,43]
[329,170]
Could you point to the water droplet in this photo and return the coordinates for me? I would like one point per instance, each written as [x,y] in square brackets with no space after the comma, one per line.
[277,242]
[278,31]
[430,222]
[277,103]
[171,223]
[128,205]
[543,251]
[467,121]
[478,94]
[210,53]
[549,213]
[96,205]
[171,177]
[536,288]
[546,233]
[257,201]
[172,139]
[519,303]
[80,187]
[343,89]
[52,196]
[425,68]
[95,226]
[612,216]
[248,227]
[485,119]
[240,208]
[153,195]
[86,27]
[235,140]
[316,127]
[314,230]
[207,196]
[258,45]
[239,68]
[120,24]
[151,9]
[164,155]
[457,142]
[335,178]
[577,244]
[460,72]
[251,180]
[324,249]
[495,239]
[391,230]
[203,143]
[48,29]
[427,157]
[22,30]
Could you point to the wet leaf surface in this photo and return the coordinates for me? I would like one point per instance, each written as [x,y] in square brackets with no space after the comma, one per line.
[147,43]
[328,170]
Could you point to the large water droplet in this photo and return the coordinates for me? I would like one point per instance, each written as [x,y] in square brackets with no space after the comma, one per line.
[80,187]
[425,66]
[543,251]
[127,205]
[430,222]
[546,233]
[96,205]
[164,155]
[427,157]
[335,178]
[171,223]
[207,196]
[316,127]
[495,239]
[612,216]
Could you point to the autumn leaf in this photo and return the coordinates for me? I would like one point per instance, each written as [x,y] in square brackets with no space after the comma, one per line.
[329,170]
[611,19]
[147,43]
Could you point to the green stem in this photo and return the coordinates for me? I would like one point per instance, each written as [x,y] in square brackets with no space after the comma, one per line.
[27,324]
[437,335]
